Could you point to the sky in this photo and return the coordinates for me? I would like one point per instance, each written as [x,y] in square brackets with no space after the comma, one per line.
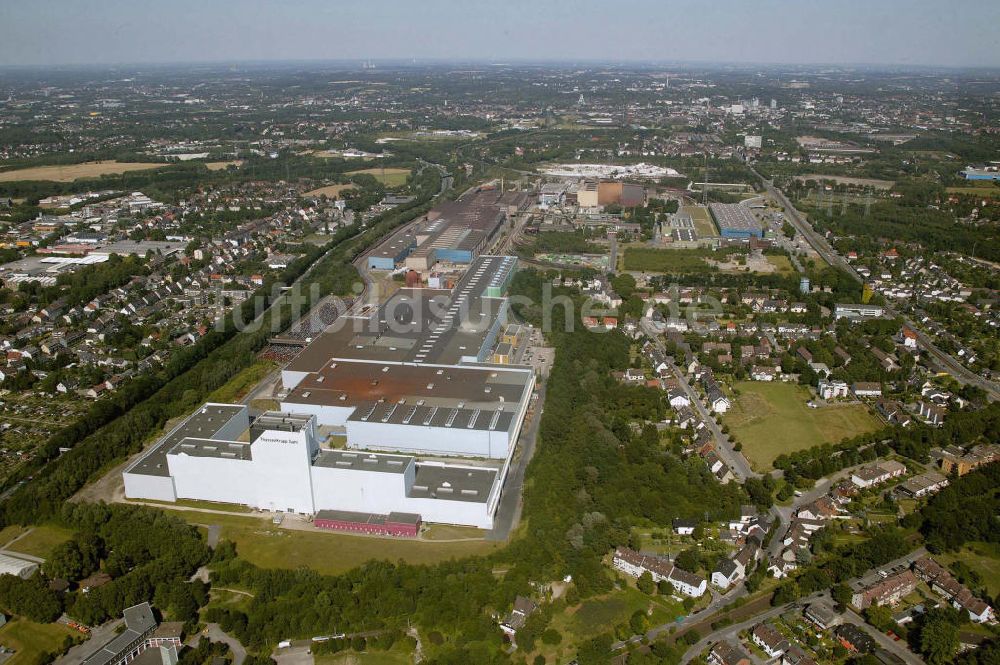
[956,33]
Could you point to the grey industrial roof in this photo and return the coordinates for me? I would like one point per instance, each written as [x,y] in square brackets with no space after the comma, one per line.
[367,518]
[489,419]
[418,325]
[202,424]
[733,216]
[236,450]
[362,461]
[452,483]
[353,383]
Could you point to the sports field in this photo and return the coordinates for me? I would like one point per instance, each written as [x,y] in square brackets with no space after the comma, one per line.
[269,546]
[772,418]
[388,177]
[71,172]
[31,640]
[331,191]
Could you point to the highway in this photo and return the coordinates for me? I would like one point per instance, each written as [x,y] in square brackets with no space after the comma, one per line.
[827,253]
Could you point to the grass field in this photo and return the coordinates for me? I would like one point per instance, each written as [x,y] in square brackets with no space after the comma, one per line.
[689,261]
[222,166]
[984,558]
[703,223]
[331,191]
[388,177]
[772,418]
[269,546]
[988,189]
[241,384]
[41,541]
[30,640]
[393,657]
[601,614]
[782,263]
[11,532]
[71,172]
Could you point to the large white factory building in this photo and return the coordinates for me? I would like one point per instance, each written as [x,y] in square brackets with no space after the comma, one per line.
[415,425]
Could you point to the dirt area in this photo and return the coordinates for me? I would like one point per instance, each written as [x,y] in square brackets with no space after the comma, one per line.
[71,172]
[844,180]
[331,191]
[221,166]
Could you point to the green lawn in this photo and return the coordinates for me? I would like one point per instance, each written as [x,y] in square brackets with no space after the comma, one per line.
[984,558]
[772,418]
[782,263]
[41,541]
[241,384]
[30,640]
[690,261]
[264,544]
[11,532]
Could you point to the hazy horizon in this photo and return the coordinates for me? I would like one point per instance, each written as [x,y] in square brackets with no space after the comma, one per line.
[893,33]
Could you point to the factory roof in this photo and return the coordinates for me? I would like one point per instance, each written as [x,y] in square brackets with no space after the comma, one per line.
[362,461]
[458,417]
[202,425]
[733,216]
[452,483]
[350,383]
[368,518]
[235,450]
[418,325]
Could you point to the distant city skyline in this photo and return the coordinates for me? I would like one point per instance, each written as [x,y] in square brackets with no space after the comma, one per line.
[961,33]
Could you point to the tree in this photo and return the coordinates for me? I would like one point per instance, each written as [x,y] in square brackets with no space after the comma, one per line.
[688,560]
[939,637]
[645,583]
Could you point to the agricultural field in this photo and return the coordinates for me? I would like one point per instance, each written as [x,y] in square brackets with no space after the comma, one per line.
[330,191]
[761,404]
[222,166]
[31,641]
[41,540]
[977,188]
[269,546]
[687,261]
[388,177]
[71,172]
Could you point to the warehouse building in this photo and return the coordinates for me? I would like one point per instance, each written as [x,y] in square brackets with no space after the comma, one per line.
[390,254]
[735,221]
[277,464]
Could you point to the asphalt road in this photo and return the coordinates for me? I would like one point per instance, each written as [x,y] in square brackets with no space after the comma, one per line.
[733,459]
[511,495]
[818,243]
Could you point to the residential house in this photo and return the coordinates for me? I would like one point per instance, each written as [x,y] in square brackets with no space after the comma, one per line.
[876,474]
[888,591]
[832,389]
[523,608]
[727,653]
[769,639]
[867,389]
